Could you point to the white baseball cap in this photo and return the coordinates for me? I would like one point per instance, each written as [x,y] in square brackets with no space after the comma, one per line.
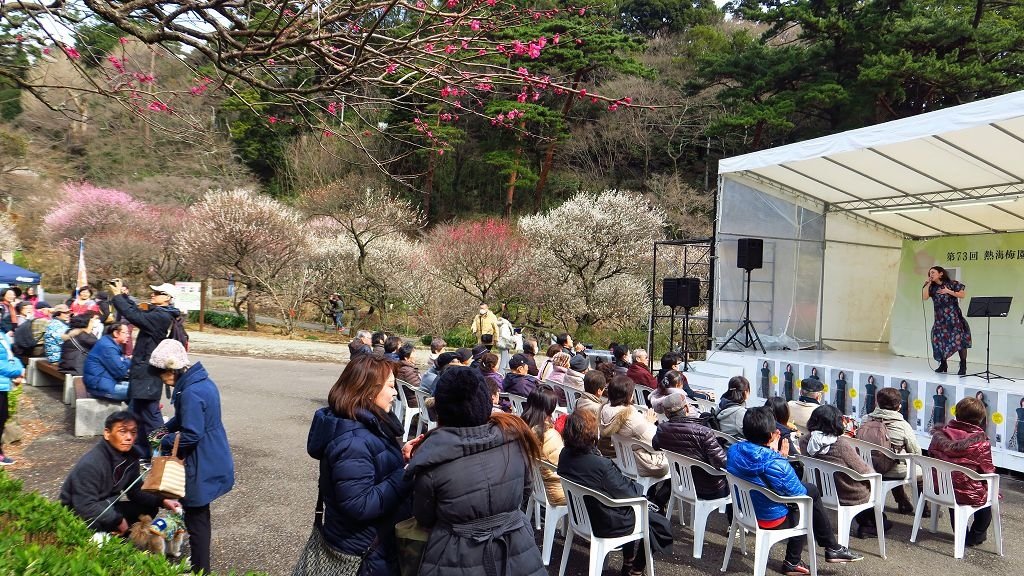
[169,289]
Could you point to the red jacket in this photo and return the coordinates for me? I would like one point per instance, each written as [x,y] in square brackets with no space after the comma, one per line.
[967,445]
[641,375]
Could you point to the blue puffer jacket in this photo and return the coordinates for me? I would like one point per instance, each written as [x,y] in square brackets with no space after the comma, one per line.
[765,467]
[362,480]
[10,366]
[209,469]
[105,366]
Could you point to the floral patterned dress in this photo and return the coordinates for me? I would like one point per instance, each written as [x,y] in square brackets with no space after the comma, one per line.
[950,332]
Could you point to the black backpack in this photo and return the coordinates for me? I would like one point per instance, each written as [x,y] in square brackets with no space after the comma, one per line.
[177,331]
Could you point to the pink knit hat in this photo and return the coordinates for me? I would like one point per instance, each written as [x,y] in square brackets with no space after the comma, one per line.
[169,354]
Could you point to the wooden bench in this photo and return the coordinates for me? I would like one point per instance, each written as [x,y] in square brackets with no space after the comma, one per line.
[91,412]
[41,373]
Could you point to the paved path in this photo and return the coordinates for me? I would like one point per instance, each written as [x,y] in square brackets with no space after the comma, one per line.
[263,522]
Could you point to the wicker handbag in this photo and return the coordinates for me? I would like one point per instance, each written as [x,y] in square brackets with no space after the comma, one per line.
[167,475]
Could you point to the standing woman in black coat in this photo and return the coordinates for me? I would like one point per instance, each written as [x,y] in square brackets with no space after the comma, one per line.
[582,463]
[473,483]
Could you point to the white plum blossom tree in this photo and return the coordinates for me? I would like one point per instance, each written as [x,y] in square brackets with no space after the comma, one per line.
[594,250]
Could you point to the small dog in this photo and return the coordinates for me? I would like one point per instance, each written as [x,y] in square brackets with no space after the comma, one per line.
[162,536]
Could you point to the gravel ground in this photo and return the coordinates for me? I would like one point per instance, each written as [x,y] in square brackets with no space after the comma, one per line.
[263,523]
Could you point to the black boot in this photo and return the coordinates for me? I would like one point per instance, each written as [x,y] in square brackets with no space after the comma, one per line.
[963,369]
[942,367]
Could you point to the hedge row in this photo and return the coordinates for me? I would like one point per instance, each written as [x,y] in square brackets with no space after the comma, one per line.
[219,319]
[38,536]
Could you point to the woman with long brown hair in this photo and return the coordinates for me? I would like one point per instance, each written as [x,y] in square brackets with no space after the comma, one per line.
[472,476]
[363,491]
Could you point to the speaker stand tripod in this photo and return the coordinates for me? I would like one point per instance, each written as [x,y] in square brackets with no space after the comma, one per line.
[685,338]
[750,337]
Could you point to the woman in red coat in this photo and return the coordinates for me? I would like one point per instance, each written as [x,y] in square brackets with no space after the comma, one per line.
[963,442]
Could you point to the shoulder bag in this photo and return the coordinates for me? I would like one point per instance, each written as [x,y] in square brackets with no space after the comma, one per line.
[167,475]
[318,558]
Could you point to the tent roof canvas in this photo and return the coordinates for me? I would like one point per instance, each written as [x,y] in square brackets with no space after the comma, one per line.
[11,274]
[950,172]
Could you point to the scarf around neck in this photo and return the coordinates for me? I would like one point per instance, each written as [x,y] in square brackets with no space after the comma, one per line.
[820,443]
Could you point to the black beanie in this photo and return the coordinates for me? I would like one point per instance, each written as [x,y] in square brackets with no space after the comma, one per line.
[462,398]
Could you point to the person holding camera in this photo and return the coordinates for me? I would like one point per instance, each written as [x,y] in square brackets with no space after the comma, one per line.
[144,383]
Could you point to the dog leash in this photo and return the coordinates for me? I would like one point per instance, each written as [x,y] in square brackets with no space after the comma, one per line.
[145,471]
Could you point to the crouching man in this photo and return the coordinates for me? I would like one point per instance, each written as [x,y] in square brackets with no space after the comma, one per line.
[93,487]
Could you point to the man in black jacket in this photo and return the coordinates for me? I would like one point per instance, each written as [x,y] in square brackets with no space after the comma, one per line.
[144,383]
[99,477]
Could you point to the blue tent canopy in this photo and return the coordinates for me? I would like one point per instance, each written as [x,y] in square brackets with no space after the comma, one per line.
[11,275]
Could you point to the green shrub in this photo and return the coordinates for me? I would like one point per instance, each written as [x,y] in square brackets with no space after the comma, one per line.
[460,337]
[220,319]
[13,398]
[426,339]
[38,536]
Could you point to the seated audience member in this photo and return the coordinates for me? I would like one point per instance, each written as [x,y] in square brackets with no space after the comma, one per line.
[811,391]
[756,463]
[825,441]
[689,436]
[463,356]
[733,406]
[670,385]
[621,360]
[99,477]
[24,311]
[539,416]
[594,384]
[83,302]
[559,367]
[437,345]
[55,331]
[517,381]
[496,404]
[406,368]
[79,340]
[489,368]
[669,361]
[29,335]
[578,366]
[780,407]
[545,370]
[608,369]
[360,344]
[391,346]
[902,440]
[478,353]
[530,351]
[639,372]
[583,464]
[429,380]
[963,442]
[377,342]
[106,366]
[619,417]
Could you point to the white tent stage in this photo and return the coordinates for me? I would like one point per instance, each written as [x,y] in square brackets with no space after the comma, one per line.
[852,222]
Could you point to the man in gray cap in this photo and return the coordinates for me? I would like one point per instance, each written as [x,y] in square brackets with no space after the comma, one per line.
[144,383]
[811,391]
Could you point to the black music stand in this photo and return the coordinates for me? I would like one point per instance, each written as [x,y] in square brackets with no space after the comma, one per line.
[989,307]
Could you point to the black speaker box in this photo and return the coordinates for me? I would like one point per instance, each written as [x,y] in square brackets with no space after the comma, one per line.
[750,253]
[681,292]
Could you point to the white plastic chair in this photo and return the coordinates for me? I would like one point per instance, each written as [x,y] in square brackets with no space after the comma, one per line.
[572,396]
[642,396]
[703,405]
[938,488]
[553,515]
[408,412]
[684,489]
[865,449]
[744,520]
[579,525]
[518,402]
[626,459]
[728,438]
[426,423]
[822,474]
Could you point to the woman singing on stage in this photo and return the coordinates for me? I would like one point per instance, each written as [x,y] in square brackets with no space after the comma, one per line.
[950,332]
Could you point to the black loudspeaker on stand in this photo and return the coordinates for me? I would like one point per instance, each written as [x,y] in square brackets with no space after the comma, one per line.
[749,256]
[988,307]
[685,293]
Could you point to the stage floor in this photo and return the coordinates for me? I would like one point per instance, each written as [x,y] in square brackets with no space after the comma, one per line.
[852,378]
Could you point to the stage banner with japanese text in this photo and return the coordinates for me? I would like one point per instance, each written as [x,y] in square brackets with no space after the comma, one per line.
[989,265]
